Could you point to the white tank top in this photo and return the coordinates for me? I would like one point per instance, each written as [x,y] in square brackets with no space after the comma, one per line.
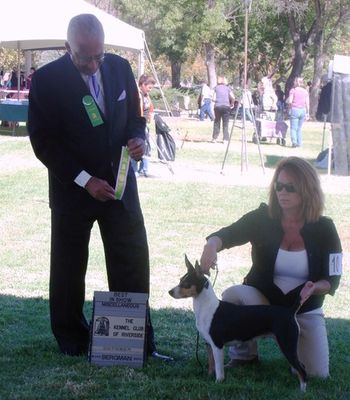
[291,269]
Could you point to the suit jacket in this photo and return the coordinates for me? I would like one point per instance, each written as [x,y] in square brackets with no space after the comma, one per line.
[64,139]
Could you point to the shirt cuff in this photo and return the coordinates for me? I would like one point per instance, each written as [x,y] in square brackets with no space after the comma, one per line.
[82,179]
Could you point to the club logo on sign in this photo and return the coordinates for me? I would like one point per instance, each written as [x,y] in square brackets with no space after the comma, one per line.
[102,326]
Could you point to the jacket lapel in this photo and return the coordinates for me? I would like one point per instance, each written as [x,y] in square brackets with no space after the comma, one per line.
[73,75]
[108,88]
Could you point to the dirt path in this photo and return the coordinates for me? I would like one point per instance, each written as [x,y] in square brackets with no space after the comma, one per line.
[184,171]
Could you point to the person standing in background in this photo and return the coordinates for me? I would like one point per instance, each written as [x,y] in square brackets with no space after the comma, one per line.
[205,102]
[248,105]
[224,101]
[299,103]
[269,99]
[146,84]
[29,78]
[14,79]
[280,102]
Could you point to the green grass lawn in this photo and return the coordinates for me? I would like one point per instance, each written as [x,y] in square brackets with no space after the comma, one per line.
[179,210]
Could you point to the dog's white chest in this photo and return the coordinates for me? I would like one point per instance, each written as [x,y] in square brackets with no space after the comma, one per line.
[204,307]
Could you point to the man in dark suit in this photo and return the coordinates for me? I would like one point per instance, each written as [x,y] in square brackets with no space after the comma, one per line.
[83,108]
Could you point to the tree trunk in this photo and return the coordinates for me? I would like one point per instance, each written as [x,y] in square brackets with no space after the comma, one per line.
[302,39]
[320,48]
[298,65]
[210,64]
[210,54]
[318,69]
[175,73]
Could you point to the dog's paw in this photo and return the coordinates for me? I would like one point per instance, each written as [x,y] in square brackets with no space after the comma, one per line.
[220,379]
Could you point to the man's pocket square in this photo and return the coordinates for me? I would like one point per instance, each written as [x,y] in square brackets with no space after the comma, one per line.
[122,96]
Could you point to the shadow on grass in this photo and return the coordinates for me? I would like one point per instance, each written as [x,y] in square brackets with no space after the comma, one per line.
[32,367]
[24,320]
[273,160]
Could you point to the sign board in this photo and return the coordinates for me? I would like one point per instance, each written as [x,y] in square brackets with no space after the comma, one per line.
[341,64]
[118,329]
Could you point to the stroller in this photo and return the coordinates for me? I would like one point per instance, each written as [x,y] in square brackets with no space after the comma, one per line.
[165,143]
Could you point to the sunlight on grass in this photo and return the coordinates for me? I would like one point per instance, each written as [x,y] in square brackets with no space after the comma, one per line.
[180,210]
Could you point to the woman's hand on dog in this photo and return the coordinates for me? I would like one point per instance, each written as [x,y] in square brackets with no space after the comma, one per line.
[209,255]
[319,287]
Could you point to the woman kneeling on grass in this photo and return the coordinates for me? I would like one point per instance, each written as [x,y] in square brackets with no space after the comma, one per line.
[295,251]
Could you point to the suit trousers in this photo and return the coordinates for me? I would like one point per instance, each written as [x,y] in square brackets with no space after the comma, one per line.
[126,255]
[313,349]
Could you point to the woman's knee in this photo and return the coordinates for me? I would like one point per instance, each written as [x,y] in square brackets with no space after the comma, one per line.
[232,294]
[313,346]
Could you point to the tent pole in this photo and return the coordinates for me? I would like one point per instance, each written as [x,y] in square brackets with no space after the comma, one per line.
[141,63]
[18,69]
[166,104]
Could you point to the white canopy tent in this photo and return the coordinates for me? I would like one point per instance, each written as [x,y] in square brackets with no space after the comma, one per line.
[42,24]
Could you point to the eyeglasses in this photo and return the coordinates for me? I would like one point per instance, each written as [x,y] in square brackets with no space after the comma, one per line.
[287,186]
[87,60]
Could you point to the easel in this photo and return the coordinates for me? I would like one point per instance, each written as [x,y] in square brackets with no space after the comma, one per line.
[242,100]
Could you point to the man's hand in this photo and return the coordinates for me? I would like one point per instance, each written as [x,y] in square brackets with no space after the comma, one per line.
[100,189]
[136,147]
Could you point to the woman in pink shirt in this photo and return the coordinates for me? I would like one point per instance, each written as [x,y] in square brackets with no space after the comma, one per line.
[298,101]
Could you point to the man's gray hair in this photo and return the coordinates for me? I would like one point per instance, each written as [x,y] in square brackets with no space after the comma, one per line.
[85,24]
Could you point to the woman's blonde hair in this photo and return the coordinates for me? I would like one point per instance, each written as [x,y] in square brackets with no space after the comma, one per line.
[307,184]
[221,80]
[299,82]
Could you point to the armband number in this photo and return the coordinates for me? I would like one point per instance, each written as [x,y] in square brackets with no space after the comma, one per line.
[335,264]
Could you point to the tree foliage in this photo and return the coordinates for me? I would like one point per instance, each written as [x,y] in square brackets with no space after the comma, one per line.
[314,27]
[287,38]
[9,59]
[268,44]
[168,26]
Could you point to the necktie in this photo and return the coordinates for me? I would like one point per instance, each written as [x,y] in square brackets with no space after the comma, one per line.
[94,87]
[95,90]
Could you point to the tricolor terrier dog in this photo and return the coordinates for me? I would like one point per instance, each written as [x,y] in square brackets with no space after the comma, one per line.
[220,322]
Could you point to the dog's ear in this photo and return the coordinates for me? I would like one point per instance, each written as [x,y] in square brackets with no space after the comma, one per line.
[198,269]
[188,265]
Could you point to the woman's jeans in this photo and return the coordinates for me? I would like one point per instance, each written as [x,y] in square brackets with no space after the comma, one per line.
[206,110]
[297,117]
